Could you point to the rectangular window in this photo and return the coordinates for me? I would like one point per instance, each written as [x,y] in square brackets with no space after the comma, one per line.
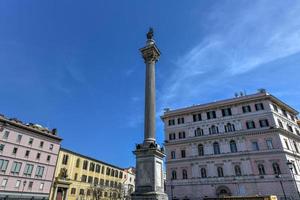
[75,176]
[27,153]
[2,147]
[30,185]
[263,123]
[102,170]
[171,122]
[28,169]
[38,156]
[197,117]
[18,183]
[41,144]
[226,112]
[15,169]
[181,135]
[250,124]
[15,150]
[85,165]
[96,181]
[90,179]
[41,186]
[259,106]
[30,142]
[3,165]
[211,114]
[19,138]
[182,153]
[73,191]
[284,113]
[48,158]
[92,166]
[65,159]
[83,178]
[246,109]
[269,143]
[4,182]
[275,107]
[98,167]
[101,181]
[287,144]
[172,136]
[180,120]
[39,171]
[6,134]
[255,146]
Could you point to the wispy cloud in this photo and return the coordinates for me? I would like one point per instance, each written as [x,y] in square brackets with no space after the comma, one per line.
[250,37]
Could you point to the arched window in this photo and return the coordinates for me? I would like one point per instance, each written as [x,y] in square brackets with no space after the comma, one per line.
[237,170]
[200,150]
[261,169]
[174,175]
[213,129]
[220,172]
[276,168]
[77,162]
[198,132]
[233,147]
[229,127]
[184,174]
[216,148]
[173,155]
[203,173]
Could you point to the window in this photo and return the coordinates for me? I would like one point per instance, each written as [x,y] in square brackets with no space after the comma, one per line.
[92,167]
[211,114]
[38,156]
[27,153]
[107,183]
[51,147]
[6,134]
[180,120]
[39,171]
[261,169]
[96,181]
[280,123]
[41,144]
[65,159]
[18,183]
[2,147]
[290,128]
[213,129]
[30,142]
[246,109]
[83,178]
[77,163]
[269,143]
[116,173]
[3,165]
[15,150]
[275,107]
[4,182]
[101,181]
[297,131]
[41,186]
[85,164]
[73,191]
[233,147]
[173,155]
[226,112]
[181,135]
[184,174]
[75,176]
[198,132]
[107,171]
[200,150]
[229,127]
[174,175]
[220,172]
[286,144]
[296,147]
[255,146]
[250,124]
[171,122]
[237,170]
[15,169]
[259,106]
[276,168]
[81,192]
[284,113]
[48,158]
[295,169]
[121,175]
[102,170]
[203,173]
[216,148]
[197,117]
[28,170]
[172,136]
[98,168]
[19,138]
[90,179]
[292,117]
[30,185]
[182,153]
[263,123]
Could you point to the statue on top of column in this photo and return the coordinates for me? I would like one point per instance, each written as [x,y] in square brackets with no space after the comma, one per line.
[150,34]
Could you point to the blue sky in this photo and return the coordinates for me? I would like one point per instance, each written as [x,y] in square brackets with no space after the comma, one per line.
[75,65]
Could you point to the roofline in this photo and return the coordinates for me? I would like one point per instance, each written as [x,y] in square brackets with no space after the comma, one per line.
[17,124]
[227,102]
[90,158]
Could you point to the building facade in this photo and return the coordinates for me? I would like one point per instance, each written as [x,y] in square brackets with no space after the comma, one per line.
[28,155]
[129,182]
[248,145]
[78,177]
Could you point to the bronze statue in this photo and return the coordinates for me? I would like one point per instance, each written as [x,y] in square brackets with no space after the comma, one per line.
[150,34]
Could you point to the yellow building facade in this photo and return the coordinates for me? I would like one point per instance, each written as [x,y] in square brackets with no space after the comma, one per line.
[78,177]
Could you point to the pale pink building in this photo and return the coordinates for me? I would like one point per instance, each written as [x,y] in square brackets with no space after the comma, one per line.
[239,147]
[28,155]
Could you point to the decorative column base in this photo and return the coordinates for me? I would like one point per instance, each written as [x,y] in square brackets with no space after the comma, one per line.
[149,196]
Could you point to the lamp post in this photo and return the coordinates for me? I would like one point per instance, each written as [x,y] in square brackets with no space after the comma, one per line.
[291,166]
[279,177]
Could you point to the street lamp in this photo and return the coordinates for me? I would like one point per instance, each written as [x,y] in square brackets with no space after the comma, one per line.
[279,177]
[291,166]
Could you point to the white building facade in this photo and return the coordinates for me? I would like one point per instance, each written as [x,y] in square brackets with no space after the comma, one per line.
[237,147]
